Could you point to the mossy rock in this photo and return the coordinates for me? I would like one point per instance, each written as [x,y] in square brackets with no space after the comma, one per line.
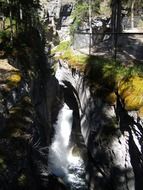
[131,92]
[14,79]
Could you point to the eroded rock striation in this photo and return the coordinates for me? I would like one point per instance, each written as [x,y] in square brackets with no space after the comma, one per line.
[111,128]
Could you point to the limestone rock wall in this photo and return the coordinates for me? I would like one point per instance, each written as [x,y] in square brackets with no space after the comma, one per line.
[112,134]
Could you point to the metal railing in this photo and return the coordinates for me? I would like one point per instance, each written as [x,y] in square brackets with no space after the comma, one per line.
[109,43]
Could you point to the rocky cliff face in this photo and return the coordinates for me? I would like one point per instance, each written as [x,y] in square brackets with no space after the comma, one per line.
[107,126]
[107,132]
[112,134]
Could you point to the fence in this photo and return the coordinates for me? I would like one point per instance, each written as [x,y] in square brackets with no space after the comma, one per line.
[130,41]
[137,22]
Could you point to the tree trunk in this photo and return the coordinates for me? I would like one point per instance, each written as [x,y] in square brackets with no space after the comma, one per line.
[119,26]
[11,24]
[132,14]
[2,23]
[21,12]
[115,23]
[90,27]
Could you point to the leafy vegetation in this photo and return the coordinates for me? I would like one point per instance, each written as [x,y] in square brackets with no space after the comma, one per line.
[80,14]
[107,77]
[102,73]
[63,46]
[17,17]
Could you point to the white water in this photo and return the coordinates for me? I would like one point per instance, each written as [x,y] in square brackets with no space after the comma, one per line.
[58,151]
[61,161]
[76,171]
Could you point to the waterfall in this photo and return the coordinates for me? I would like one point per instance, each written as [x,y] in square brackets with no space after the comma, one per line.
[64,159]
[58,151]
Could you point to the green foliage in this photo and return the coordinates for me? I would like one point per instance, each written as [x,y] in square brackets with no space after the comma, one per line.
[99,69]
[74,59]
[107,77]
[103,68]
[80,10]
[63,46]
[5,41]
[19,15]
[105,8]
[80,14]
[4,35]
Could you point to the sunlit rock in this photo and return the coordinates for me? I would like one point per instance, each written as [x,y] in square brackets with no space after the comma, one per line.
[111,132]
[14,78]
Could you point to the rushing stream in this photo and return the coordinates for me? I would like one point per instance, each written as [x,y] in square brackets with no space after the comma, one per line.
[64,159]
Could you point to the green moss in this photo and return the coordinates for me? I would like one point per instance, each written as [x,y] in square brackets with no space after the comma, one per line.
[101,71]
[131,92]
[77,61]
[63,46]
[13,79]
[64,51]
[110,76]
[107,76]
[74,59]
